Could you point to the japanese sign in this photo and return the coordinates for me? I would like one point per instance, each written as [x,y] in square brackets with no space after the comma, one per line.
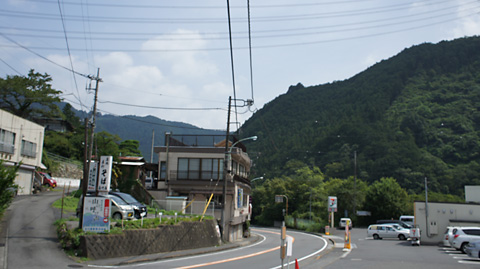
[92,177]
[96,214]
[104,173]
[332,203]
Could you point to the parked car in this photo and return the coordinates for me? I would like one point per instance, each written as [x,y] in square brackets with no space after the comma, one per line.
[343,223]
[407,219]
[464,235]
[139,208]
[148,183]
[47,180]
[401,223]
[448,234]
[379,231]
[119,209]
[473,249]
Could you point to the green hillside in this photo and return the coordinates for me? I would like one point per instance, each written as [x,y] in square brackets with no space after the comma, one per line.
[412,116]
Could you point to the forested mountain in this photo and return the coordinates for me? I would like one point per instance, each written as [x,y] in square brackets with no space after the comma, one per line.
[412,116]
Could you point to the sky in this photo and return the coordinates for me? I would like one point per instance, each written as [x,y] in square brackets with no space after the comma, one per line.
[181,60]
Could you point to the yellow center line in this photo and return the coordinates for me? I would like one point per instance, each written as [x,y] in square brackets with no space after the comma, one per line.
[236,258]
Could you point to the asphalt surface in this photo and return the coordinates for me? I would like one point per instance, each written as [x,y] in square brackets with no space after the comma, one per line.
[28,238]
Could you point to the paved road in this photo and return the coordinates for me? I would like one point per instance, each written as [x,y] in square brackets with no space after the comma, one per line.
[31,240]
[263,254]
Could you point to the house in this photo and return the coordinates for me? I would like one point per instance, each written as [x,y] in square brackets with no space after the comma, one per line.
[191,168]
[21,142]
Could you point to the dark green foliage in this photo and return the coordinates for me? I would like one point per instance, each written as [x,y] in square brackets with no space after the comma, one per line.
[413,115]
[386,199]
[7,185]
[29,97]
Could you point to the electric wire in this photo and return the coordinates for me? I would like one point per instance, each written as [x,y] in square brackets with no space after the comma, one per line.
[231,61]
[11,67]
[68,50]
[303,17]
[207,7]
[250,48]
[165,108]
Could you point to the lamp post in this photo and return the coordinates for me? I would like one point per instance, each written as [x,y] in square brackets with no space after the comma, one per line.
[257,178]
[226,172]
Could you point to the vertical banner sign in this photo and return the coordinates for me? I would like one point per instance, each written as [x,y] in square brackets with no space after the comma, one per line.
[92,177]
[96,213]
[239,198]
[105,173]
[332,203]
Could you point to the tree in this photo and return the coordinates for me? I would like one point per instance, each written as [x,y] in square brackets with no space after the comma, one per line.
[385,199]
[70,116]
[107,144]
[7,180]
[130,148]
[29,97]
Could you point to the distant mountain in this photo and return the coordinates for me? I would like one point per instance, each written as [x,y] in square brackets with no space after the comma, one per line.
[412,116]
[142,129]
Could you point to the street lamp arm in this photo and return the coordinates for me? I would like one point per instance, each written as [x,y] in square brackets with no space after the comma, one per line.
[248,138]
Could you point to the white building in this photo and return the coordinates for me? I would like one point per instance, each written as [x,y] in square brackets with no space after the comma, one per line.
[21,142]
[193,171]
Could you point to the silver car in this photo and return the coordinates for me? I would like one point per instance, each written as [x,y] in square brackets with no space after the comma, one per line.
[379,231]
[464,235]
[473,249]
[119,208]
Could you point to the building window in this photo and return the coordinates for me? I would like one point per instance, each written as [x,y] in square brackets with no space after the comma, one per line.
[29,149]
[205,169]
[7,141]
[163,170]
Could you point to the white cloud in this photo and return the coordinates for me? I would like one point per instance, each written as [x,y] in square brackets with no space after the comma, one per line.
[190,61]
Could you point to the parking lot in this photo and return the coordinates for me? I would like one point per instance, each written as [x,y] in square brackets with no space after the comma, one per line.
[393,253]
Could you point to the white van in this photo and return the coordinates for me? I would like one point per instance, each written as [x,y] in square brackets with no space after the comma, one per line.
[408,219]
[379,231]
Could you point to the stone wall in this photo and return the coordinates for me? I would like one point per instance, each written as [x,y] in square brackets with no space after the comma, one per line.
[166,238]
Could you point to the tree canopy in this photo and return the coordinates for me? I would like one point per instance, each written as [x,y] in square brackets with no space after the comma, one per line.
[29,96]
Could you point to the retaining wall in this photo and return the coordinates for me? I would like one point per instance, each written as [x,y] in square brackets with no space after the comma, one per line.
[166,238]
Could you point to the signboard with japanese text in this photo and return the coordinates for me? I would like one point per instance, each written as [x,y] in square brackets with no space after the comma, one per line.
[104,174]
[92,177]
[332,203]
[96,215]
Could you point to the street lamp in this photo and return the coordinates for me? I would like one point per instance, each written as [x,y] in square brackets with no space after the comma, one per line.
[227,165]
[257,178]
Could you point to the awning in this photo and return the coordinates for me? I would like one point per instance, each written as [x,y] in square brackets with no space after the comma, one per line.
[132,163]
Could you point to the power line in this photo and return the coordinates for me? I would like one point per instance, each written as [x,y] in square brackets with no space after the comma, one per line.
[158,107]
[11,67]
[68,50]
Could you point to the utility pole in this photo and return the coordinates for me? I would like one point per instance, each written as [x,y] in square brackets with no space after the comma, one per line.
[89,159]
[225,173]
[151,155]
[355,183]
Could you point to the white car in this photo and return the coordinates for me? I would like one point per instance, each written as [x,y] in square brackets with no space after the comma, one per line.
[379,231]
[448,234]
[343,223]
[464,235]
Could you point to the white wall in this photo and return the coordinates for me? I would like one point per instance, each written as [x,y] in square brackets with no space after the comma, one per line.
[472,194]
[442,215]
